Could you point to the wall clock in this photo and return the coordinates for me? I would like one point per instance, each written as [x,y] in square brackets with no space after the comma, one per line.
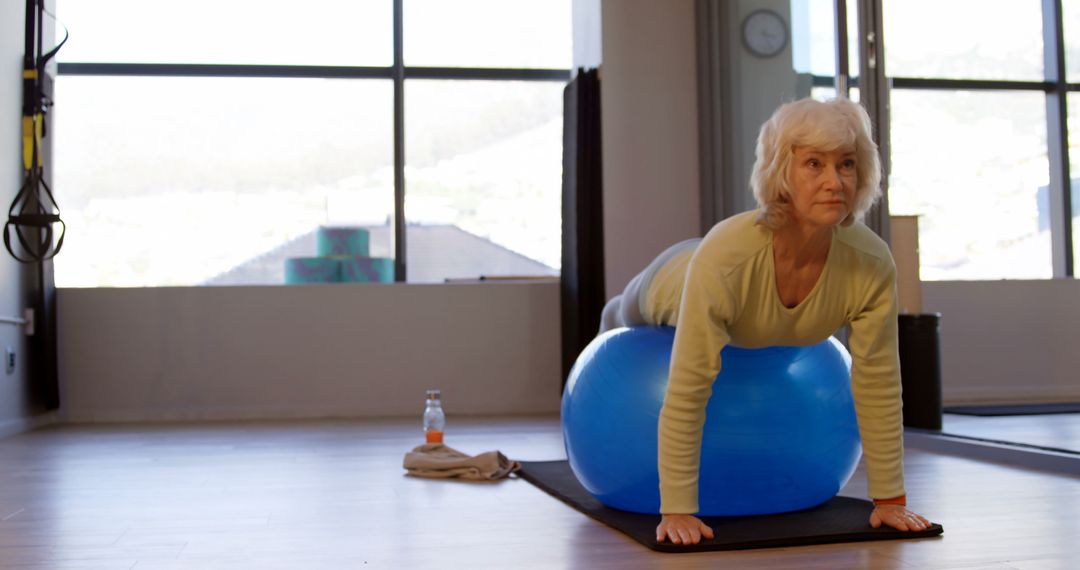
[764,33]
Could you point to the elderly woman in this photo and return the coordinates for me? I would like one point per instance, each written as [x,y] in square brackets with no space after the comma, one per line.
[799,268]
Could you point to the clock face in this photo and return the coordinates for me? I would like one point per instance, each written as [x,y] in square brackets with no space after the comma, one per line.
[764,33]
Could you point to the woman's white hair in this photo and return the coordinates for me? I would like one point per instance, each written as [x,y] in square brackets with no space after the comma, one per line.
[821,125]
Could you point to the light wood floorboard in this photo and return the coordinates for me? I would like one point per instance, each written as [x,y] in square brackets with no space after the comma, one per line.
[313,495]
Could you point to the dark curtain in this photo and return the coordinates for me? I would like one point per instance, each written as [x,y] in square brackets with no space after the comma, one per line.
[582,287]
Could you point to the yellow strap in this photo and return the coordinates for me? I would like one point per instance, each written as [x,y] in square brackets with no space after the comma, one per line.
[29,74]
[31,130]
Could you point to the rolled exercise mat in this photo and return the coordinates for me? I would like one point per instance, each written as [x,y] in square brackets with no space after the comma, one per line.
[367,269]
[300,270]
[343,241]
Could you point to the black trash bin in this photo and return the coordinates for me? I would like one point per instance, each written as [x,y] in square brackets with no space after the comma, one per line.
[920,369]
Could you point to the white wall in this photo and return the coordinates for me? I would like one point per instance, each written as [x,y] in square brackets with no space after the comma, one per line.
[648,84]
[14,410]
[759,86]
[1008,341]
[308,351]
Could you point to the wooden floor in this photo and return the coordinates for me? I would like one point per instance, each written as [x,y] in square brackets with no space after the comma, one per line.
[332,495]
[1058,431]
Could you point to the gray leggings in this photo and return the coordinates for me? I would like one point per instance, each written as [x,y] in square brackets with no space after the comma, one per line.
[626,309]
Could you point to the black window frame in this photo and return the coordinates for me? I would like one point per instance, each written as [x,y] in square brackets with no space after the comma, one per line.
[1055,86]
[398,72]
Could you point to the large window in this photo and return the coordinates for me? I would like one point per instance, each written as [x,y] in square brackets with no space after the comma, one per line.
[182,180]
[973,165]
[976,136]
[433,126]
[330,32]
[485,159]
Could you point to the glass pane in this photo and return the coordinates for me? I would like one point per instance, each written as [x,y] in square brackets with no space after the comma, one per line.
[1071,16]
[823,93]
[483,178]
[813,42]
[973,165]
[964,39]
[162,181]
[813,37]
[330,32]
[488,33]
[853,41]
[826,93]
[1074,171]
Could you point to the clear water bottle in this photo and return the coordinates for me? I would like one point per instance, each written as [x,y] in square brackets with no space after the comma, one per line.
[434,417]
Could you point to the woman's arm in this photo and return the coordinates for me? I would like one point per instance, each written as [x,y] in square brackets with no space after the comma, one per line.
[700,334]
[876,387]
[875,382]
[875,376]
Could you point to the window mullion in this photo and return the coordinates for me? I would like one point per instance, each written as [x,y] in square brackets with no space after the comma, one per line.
[842,80]
[1057,139]
[399,144]
[874,96]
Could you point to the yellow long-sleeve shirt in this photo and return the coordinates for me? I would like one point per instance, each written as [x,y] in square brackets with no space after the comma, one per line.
[724,292]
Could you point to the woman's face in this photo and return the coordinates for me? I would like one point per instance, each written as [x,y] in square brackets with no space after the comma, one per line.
[823,184]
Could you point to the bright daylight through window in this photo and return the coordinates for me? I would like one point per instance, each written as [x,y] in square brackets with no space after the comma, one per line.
[970,154]
[969,133]
[179,177]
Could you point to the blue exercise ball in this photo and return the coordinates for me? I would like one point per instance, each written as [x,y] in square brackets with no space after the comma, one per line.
[780,433]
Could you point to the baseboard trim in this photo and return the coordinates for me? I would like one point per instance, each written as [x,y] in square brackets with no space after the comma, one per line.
[994,452]
[1009,395]
[13,427]
[290,414]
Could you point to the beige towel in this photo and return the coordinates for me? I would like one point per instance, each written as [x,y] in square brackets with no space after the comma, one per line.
[438,461]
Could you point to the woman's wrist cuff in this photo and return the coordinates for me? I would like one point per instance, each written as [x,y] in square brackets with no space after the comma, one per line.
[901,500]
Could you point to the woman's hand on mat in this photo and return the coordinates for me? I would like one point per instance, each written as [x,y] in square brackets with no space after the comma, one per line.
[898,517]
[682,529]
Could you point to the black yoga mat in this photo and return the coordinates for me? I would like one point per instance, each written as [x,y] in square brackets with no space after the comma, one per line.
[842,519]
[1017,410]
